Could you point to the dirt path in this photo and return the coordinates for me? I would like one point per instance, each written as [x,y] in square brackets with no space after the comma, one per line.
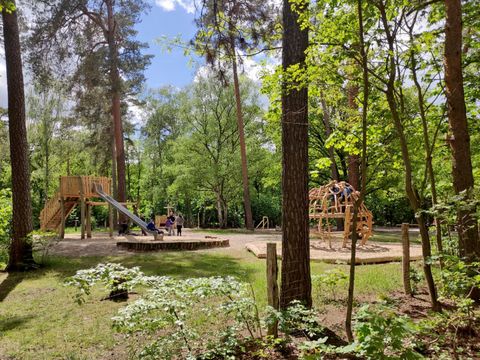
[102,245]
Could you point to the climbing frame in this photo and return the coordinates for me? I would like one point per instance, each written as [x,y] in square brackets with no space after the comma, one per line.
[336,200]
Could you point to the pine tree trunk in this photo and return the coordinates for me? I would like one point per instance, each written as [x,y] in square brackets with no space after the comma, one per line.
[116,110]
[457,118]
[21,257]
[243,147]
[296,282]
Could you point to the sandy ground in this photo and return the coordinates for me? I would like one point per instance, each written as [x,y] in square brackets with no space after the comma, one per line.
[102,245]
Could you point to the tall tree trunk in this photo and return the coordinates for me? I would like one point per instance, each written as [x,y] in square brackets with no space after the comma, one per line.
[21,257]
[353,159]
[426,139]
[114,177]
[410,188]
[243,147]
[116,111]
[328,132]
[457,117]
[296,282]
[363,172]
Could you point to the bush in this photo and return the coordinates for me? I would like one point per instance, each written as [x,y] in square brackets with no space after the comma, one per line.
[5,225]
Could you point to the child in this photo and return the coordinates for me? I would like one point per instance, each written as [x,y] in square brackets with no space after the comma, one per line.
[168,226]
[179,221]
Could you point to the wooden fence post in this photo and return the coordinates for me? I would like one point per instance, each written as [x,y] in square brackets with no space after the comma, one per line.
[406,260]
[82,209]
[63,215]
[272,284]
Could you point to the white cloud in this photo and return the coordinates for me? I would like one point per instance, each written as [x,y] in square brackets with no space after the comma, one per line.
[170,5]
[167,5]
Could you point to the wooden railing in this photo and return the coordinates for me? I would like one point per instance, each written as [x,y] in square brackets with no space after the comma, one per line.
[72,186]
[51,207]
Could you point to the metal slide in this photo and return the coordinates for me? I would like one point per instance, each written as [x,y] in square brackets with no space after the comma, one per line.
[124,211]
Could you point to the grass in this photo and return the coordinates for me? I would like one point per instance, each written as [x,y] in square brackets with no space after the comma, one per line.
[40,320]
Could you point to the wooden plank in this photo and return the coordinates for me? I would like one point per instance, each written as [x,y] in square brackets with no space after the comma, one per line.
[272,284]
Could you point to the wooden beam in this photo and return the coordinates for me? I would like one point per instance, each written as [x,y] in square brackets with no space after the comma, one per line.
[82,209]
[63,215]
[89,221]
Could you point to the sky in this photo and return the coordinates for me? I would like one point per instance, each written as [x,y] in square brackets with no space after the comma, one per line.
[170,18]
[166,17]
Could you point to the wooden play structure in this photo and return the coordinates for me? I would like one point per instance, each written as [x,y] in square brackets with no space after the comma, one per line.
[83,191]
[335,200]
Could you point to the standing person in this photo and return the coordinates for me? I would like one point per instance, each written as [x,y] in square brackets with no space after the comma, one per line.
[180,222]
[168,226]
[171,218]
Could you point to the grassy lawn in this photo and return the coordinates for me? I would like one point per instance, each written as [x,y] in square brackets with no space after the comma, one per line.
[40,320]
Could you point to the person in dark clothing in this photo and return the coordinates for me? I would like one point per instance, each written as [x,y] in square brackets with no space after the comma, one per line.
[151,226]
[179,220]
[123,228]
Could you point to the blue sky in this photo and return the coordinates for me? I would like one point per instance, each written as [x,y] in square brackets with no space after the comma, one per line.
[171,18]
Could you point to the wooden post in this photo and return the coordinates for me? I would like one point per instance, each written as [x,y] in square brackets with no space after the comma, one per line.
[89,221]
[82,209]
[272,284]
[62,214]
[406,260]
[110,220]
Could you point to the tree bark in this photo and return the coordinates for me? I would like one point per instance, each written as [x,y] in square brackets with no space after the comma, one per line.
[116,110]
[410,188]
[296,282]
[426,139]
[328,132]
[243,147]
[363,172]
[353,159]
[469,243]
[21,257]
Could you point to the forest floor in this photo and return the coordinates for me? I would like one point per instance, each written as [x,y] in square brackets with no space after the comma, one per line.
[39,318]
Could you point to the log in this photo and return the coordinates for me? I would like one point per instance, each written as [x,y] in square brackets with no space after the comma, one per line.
[272,284]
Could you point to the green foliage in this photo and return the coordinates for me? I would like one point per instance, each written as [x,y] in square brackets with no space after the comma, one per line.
[42,243]
[295,318]
[5,225]
[416,277]
[177,314]
[383,334]
[330,282]
[114,278]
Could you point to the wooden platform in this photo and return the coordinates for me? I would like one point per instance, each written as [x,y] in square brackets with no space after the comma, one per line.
[371,253]
[171,245]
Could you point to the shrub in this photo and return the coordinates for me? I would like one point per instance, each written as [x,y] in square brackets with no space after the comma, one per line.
[5,225]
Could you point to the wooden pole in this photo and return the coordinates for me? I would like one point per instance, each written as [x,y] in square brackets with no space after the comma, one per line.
[272,284]
[82,209]
[406,260]
[110,220]
[62,223]
[89,221]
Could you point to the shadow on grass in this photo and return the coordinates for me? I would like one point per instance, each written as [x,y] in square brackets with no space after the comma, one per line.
[14,322]
[175,264]
[10,283]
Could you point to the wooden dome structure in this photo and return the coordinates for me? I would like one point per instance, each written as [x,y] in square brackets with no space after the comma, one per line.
[335,200]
